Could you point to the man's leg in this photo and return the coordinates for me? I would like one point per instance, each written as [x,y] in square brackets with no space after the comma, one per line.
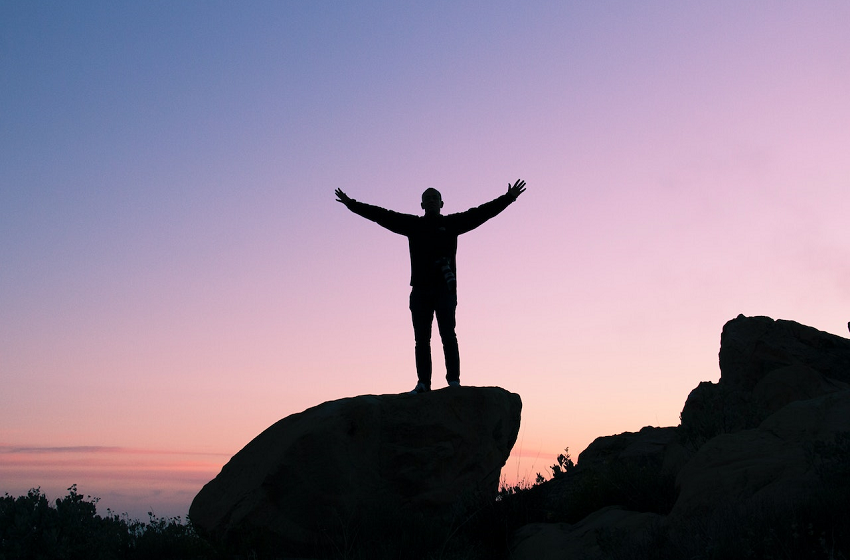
[422,313]
[446,308]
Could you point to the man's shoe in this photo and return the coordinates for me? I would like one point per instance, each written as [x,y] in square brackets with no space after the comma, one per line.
[420,388]
[454,383]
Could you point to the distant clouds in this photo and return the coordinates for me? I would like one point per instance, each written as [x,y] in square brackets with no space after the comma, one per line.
[10,450]
[129,479]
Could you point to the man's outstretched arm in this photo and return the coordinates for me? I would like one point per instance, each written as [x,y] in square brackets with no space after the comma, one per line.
[474,217]
[393,221]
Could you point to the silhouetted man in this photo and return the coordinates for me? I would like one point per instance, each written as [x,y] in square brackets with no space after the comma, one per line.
[433,247]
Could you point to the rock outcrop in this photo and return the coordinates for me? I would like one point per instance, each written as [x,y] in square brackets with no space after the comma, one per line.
[752,347]
[341,463]
[764,365]
[767,448]
[560,541]
[631,470]
[780,461]
[759,467]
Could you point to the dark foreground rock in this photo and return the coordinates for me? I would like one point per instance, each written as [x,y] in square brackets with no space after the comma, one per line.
[564,541]
[764,365]
[759,466]
[343,466]
[789,458]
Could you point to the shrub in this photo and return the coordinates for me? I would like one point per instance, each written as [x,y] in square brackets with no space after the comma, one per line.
[70,529]
[562,467]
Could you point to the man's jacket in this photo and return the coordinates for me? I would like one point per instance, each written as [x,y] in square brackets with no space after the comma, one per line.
[431,237]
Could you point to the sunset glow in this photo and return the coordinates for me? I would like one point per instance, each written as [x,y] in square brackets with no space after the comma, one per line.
[176,276]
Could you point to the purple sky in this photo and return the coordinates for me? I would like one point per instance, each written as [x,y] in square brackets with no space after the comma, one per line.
[175,275]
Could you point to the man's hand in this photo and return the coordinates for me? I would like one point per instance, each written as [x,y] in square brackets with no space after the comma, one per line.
[517,189]
[342,197]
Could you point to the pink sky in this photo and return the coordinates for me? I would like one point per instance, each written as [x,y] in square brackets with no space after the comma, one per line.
[176,275]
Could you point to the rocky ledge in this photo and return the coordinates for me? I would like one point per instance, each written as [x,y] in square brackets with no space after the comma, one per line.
[344,466]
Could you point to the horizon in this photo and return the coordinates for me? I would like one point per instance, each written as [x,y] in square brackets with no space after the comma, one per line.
[177,275]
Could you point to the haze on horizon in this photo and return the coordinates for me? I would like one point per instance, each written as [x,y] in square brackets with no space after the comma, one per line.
[176,275]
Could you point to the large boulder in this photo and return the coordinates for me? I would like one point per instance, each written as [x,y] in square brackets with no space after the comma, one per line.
[585,540]
[791,455]
[656,448]
[764,365]
[759,456]
[752,347]
[635,470]
[343,463]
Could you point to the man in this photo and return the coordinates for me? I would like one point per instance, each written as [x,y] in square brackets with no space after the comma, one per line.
[433,246]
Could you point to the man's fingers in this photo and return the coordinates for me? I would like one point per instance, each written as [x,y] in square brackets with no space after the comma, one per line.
[341,197]
[518,188]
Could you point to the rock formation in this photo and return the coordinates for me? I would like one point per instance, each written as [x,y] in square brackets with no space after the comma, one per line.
[771,439]
[764,365]
[560,541]
[780,461]
[752,347]
[342,463]
[759,467]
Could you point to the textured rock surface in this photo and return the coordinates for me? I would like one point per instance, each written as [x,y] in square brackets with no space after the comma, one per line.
[771,437]
[783,390]
[563,541]
[752,347]
[630,469]
[781,460]
[648,447]
[764,365]
[363,457]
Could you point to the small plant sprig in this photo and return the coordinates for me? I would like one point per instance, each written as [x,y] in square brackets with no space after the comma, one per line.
[565,464]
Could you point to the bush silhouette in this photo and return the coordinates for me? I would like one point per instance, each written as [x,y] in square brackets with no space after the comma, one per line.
[71,529]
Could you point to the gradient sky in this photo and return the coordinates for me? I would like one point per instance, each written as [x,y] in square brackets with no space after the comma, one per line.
[175,275]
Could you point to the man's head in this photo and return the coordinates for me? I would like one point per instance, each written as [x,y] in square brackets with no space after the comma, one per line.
[432,201]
